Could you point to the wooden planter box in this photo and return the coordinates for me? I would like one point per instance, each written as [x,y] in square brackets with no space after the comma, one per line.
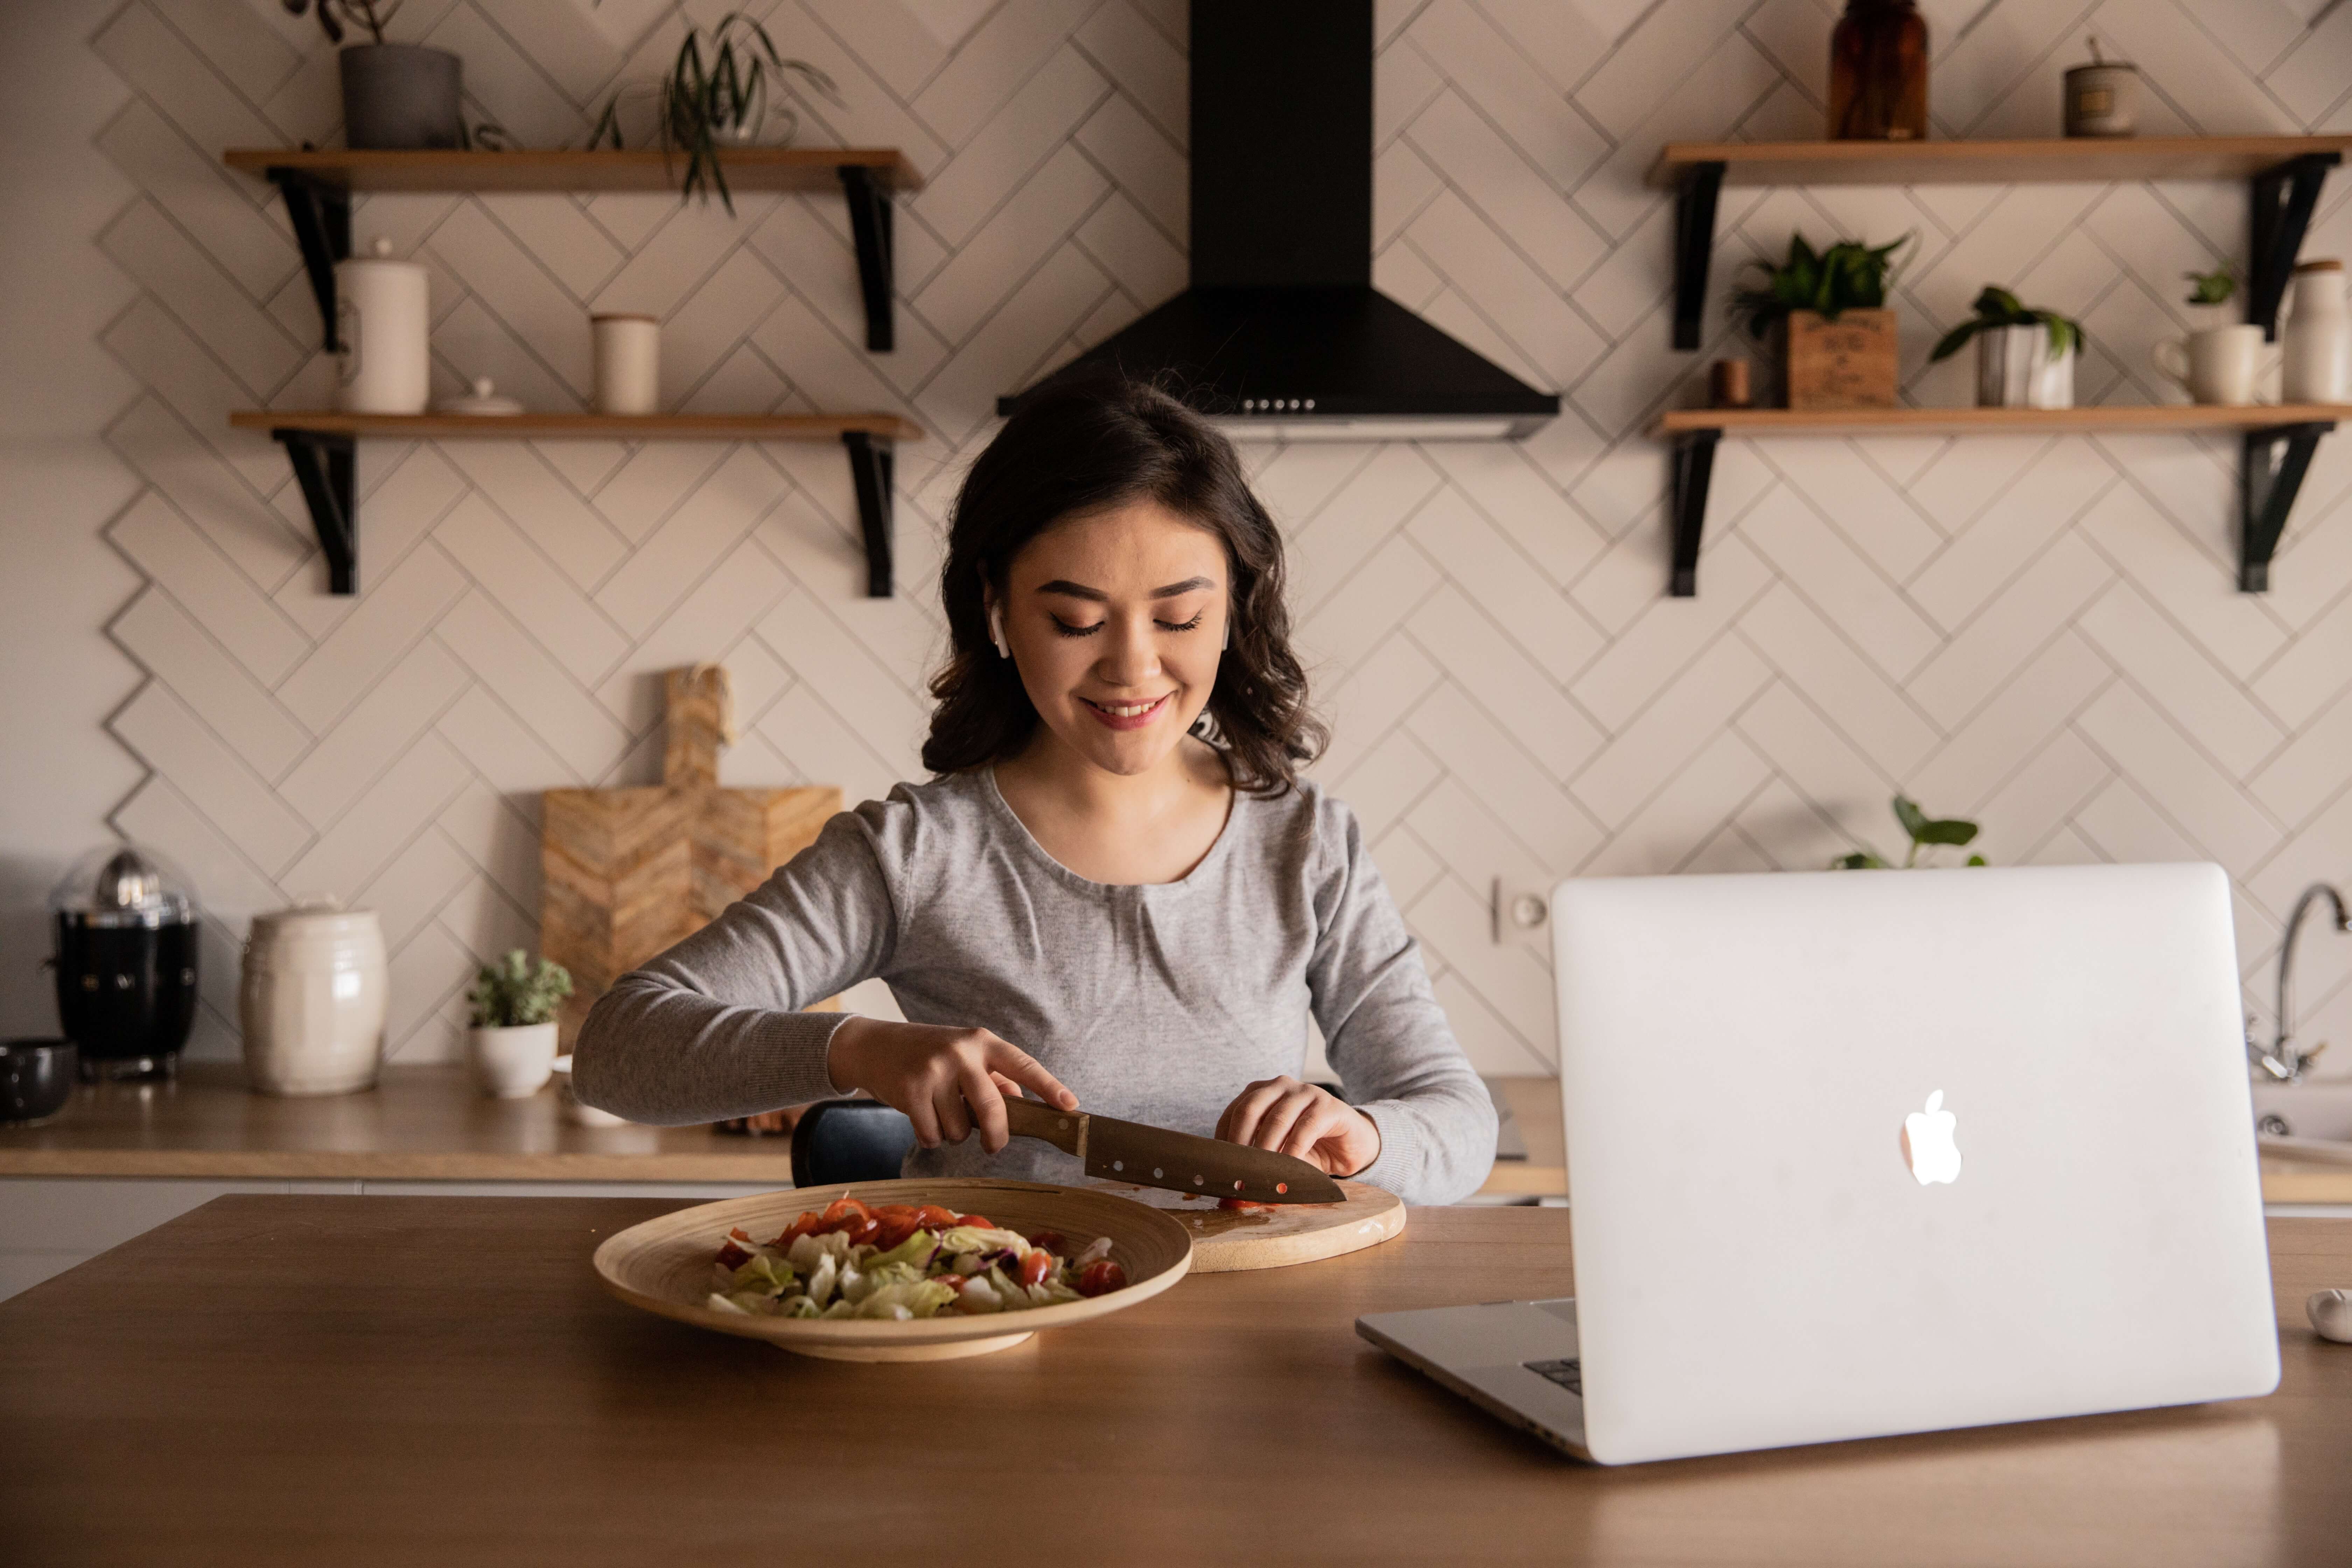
[1850,362]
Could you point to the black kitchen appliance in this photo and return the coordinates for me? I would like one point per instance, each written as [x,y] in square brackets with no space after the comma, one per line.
[125,923]
[1282,336]
[37,1079]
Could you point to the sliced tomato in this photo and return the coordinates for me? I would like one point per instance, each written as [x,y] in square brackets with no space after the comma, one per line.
[1052,1241]
[1241,1203]
[732,1257]
[934,1217]
[977,1221]
[1101,1278]
[807,1224]
[1035,1266]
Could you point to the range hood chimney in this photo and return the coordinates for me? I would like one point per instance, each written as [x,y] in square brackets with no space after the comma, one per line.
[1282,334]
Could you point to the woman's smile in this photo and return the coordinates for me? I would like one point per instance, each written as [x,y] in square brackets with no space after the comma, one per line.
[1126,715]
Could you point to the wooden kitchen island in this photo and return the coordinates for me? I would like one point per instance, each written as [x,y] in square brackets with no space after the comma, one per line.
[358,1380]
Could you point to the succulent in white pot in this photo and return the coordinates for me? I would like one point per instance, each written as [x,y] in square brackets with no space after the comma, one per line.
[2025,356]
[512,1042]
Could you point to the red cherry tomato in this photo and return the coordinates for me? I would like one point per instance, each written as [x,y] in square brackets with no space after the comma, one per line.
[934,1217]
[1102,1277]
[1035,1266]
[1052,1241]
[977,1221]
[897,1222]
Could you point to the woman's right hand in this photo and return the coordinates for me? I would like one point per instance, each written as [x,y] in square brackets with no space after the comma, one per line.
[947,1080]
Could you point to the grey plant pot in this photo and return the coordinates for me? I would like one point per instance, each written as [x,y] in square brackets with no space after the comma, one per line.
[402,96]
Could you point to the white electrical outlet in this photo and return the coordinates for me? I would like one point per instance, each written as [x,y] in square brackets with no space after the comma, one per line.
[1521,913]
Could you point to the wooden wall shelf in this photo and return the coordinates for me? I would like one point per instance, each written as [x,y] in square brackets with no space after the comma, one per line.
[2285,172]
[321,445]
[2075,160]
[318,185]
[2276,445]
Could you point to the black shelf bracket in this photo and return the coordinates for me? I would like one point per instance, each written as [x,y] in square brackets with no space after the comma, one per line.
[872,459]
[870,225]
[2284,200]
[322,214]
[2271,469]
[325,467]
[1694,205]
[1693,472]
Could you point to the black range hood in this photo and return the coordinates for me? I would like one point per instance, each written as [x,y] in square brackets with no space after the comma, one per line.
[1282,333]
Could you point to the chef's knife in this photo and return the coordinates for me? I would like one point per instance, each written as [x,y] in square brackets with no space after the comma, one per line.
[1155,1157]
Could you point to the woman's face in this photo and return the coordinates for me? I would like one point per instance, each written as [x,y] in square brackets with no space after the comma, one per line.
[1117,622]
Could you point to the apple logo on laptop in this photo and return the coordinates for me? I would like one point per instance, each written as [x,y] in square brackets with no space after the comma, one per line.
[1928,1146]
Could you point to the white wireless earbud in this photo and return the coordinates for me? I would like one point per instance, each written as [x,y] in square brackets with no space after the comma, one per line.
[996,631]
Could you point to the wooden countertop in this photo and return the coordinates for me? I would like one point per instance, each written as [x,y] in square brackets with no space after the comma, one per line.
[426,1123]
[362,1381]
[419,1123]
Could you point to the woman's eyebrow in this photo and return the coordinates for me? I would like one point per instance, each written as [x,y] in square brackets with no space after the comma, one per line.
[1069,590]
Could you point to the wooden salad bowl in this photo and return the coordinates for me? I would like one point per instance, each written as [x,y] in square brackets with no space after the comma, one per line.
[664,1265]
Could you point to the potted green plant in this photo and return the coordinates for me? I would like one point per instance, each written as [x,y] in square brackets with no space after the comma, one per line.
[512,1041]
[395,95]
[2025,356]
[1926,833]
[1839,343]
[716,95]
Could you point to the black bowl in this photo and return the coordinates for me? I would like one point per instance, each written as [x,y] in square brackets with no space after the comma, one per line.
[37,1079]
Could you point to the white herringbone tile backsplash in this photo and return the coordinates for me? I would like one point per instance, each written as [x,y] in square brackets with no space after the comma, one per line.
[2042,633]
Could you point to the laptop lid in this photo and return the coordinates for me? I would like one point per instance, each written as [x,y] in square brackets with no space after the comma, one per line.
[1783,1235]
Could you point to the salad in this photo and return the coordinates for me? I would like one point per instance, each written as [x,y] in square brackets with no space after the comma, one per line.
[901,1261]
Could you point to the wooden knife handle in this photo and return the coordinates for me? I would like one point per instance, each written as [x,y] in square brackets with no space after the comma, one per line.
[1065,1129]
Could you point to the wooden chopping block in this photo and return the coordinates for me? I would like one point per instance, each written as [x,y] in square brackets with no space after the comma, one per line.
[630,871]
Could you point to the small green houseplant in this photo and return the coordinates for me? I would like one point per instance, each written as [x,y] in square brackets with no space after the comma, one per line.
[1839,344]
[395,95]
[2215,287]
[2025,356]
[1925,832]
[512,1042]
[716,95]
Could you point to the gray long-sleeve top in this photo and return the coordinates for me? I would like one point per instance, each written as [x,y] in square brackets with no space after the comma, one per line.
[1157,1003]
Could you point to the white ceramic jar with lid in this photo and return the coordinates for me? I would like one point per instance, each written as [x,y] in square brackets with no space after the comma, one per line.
[2315,350]
[313,1000]
[382,319]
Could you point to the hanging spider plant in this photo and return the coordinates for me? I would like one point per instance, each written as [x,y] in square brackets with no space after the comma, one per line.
[715,93]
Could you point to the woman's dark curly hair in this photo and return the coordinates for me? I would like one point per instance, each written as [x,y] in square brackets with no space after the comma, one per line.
[1082,449]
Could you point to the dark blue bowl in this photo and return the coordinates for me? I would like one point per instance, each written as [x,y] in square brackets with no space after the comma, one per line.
[37,1079]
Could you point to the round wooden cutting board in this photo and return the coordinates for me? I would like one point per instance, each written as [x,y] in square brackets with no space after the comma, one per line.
[1227,1240]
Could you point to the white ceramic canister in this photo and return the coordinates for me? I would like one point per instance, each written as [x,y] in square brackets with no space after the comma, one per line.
[2015,369]
[2316,345]
[382,313]
[628,363]
[313,1001]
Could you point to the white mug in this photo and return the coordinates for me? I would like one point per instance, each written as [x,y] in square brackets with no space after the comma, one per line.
[628,363]
[2220,365]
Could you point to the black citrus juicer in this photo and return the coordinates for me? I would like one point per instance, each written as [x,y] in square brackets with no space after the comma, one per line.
[125,922]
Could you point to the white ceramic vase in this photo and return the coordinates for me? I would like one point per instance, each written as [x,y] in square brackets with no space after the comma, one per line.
[2317,344]
[2016,369]
[312,1000]
[512,1063]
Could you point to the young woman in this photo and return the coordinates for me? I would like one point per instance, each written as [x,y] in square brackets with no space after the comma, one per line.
[1116,893]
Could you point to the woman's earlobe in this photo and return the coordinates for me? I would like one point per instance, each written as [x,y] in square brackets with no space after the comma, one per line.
[996,631]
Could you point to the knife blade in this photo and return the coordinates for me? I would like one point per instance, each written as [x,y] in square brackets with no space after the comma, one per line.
[1178,1161]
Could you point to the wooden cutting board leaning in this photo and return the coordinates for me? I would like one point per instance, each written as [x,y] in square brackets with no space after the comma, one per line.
[1225,1241]
[629,871]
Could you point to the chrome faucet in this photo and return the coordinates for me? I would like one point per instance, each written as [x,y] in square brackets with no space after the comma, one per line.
[2286,1060]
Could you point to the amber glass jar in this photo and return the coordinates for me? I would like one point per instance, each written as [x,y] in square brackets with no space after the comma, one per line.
[1878,73]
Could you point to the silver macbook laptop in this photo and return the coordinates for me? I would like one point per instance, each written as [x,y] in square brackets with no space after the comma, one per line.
[1865,1153]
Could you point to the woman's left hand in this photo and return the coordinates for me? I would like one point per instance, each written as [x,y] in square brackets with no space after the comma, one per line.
[1303,1122]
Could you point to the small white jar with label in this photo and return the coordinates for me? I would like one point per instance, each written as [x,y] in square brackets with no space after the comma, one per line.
[383,318]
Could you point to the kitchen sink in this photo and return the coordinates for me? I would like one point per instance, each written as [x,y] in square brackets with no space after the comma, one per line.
[2305,1120]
